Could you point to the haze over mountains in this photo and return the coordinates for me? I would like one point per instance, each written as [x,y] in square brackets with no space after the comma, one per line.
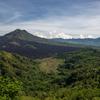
[85,41]
[63,35]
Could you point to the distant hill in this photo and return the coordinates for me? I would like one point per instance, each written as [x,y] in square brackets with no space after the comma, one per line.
[26,44]
[88,41]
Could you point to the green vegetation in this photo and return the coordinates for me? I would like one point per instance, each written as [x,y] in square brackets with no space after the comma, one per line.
[70,76]
[9,88]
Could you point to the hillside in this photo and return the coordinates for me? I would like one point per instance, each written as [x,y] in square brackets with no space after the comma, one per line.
[26,44]
[72,76]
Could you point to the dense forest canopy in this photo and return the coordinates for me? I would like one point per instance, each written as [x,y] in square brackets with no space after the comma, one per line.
[75,77]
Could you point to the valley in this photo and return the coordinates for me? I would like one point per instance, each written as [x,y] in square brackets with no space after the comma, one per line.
[32,69]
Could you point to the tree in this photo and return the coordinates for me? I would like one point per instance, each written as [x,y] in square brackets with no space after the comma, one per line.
[9,88]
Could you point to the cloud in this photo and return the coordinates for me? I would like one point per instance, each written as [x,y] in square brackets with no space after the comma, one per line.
[74,21]
[68,25]
[53,34]
[82,36]
[90,36]
[16,15]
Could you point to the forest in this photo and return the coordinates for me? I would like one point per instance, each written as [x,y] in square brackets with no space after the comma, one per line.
[69,76]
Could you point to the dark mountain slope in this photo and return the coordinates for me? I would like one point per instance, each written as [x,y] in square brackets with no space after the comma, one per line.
[24,43]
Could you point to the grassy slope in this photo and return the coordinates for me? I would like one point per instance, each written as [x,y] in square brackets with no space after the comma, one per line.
[49,65]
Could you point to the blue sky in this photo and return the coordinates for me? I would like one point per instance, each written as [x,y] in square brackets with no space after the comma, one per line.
[51,18]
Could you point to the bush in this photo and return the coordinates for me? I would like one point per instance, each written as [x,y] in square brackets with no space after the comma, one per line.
[9,88]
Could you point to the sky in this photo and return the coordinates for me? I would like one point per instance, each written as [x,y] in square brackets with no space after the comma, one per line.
[51,18]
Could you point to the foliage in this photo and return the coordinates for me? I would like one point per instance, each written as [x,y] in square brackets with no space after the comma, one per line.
[77,78]
[9,88]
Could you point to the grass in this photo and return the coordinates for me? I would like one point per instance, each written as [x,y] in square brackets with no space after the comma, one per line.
[6,55]
[49,65]
[27,98]
[96,98]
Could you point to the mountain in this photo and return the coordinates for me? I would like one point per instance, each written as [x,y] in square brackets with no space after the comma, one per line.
[24,35]
[26,44]
[87,41]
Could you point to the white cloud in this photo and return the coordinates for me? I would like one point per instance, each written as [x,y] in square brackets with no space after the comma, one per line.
[53,34]
[90,36]
[82,36]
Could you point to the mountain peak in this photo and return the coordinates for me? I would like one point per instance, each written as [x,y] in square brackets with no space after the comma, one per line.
[19,34]
[19,30]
